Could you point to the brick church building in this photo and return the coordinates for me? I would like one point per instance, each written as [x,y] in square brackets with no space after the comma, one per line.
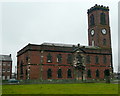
[64,61]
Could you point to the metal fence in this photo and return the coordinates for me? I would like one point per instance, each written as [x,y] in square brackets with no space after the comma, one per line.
[60,81]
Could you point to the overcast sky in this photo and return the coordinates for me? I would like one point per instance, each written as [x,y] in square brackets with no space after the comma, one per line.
[52,22]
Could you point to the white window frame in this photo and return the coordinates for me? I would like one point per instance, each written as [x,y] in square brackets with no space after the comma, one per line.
[3,77]
[8,70]
[93,43]
[8,77]
[3,70]
[8,64]
[4,64]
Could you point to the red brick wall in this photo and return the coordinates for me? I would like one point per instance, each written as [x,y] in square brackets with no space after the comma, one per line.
[35,60]
[101,71]
[100,66]
[98,36]
[35,67]
[6,67]
[54,72]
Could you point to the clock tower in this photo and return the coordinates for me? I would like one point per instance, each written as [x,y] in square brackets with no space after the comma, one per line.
[98,26]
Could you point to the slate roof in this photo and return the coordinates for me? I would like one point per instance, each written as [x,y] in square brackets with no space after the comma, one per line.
[58,44]
[54,47]
[5,58]
[67,45]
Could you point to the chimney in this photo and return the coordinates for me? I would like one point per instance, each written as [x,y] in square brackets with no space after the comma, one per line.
[78,45]
[10,55]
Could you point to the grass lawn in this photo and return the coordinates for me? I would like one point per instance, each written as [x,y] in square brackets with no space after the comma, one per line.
[83,88]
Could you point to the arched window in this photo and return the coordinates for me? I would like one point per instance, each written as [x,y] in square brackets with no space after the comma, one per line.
[59,58]
[88,59]
[104,42]
[27,59]
[97,73]
[59,73]
[49,58]
[49,73]
[106,72]
[69,59]
[92,20]
[96,59]
[69,73]
[104,59]
[26,72]
[89,73]
[102,19]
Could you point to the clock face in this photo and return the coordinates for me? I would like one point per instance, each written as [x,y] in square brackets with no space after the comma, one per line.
[92,32]
[103,31]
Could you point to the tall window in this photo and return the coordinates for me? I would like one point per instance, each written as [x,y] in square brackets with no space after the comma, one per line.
[4,64]
[97,73]
[21,68]
[69,73]
[27,59]
[104,59]
[107,72]
[9,64]
[8,77]
[49,58]
[26,72]
[8,70]
[102,19]
[104,42]
[69,59]
[3,77]
[92,20]
[59,58]
[96,59]
[89,73]
[88,59]
[3,69]
[59,73]
[49,73]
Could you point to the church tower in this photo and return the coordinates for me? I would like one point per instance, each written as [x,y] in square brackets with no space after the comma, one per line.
[98,27]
